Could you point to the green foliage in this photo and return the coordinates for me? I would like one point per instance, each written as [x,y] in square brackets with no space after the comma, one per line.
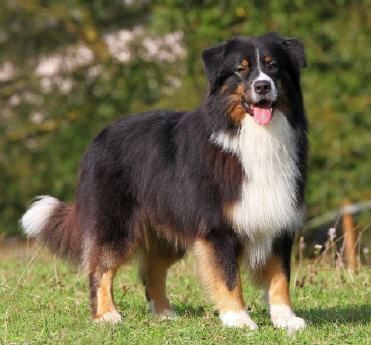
[45,129]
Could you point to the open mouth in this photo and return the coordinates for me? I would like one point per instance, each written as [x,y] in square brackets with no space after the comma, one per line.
[261,111]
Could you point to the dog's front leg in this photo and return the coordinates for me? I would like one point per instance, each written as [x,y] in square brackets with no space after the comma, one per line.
[275,277]
[217,263]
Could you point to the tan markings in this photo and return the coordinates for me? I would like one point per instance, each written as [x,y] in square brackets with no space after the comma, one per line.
[236,110]
[228,209]
[105,302]
[224,299]
[156,258]
[240,90]
[245,63]
[275,281]
[267,59]
[155,270]
[244,66]
[237,114]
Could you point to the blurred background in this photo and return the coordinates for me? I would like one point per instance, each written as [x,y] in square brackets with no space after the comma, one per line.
[69,68]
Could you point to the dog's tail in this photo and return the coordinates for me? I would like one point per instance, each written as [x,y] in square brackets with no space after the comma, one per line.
[55,224]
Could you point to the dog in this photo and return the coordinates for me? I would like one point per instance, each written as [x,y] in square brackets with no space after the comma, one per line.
[226,179]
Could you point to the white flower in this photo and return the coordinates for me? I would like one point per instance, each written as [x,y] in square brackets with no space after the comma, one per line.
[331,234]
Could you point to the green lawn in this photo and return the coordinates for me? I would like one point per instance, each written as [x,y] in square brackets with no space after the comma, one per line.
[43,300]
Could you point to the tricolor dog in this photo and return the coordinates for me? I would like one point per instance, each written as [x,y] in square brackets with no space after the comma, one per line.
[226,179]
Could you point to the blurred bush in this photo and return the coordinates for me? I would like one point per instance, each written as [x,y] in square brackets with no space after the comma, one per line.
[68,68]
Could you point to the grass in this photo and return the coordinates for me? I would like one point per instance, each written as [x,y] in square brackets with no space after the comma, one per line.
[45,301]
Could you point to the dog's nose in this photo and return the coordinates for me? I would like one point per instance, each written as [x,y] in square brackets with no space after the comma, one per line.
[262,87]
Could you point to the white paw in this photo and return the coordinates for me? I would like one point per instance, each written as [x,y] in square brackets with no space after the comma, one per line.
[237,319]
[110,317]
[283,317]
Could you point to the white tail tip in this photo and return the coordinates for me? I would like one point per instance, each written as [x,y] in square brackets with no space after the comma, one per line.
[38,214]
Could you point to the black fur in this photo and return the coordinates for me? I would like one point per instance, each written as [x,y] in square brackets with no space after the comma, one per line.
[160,168]
[227,249]
[282,247]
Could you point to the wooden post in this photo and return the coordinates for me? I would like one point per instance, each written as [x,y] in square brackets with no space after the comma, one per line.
[350,239]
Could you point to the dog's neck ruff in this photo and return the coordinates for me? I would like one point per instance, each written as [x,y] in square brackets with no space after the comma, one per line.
[268,201]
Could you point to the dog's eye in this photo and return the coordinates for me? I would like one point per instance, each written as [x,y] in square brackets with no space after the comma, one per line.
[242,69]
[272,65]
[269,62]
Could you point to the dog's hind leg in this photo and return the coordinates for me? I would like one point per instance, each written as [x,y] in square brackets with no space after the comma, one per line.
[101,263]
[101,296]
[156,259]
[154,271]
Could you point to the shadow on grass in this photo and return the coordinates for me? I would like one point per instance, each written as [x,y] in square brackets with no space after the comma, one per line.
[340,315]
[316,316]
[186,309]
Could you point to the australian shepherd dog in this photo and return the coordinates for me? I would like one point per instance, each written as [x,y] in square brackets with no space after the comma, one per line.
[226,179]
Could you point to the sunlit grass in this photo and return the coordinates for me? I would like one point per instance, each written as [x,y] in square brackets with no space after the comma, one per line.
[43,300]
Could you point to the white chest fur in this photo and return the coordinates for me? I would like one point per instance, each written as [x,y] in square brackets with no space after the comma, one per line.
[268,197]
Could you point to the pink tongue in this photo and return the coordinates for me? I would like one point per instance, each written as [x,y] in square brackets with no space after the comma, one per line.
[262,116]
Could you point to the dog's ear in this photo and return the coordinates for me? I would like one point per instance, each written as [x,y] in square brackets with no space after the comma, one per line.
[295,48]
[212,59]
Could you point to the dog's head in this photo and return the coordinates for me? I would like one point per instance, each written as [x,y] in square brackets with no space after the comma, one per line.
[255,74]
